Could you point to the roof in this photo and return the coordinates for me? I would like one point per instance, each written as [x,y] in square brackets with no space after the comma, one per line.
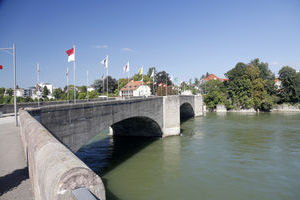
[132,85]
[277,80]
[214,77]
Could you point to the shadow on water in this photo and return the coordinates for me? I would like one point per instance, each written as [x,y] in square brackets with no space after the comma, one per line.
[104,155]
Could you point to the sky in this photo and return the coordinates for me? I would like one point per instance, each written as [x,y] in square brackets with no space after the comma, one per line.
[185,38]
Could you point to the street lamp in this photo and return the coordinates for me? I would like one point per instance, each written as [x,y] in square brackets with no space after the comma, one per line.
[14,66]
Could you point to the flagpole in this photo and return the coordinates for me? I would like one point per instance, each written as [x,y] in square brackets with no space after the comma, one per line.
[153,85]
[74,68]
[107,81]
[166,84]
[87,82]
[38,80]
[68,84]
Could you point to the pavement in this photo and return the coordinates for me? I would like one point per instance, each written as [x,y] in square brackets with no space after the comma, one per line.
[14,179]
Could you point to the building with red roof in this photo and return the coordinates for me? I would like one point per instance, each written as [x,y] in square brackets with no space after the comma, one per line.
[135,88]
[214,77]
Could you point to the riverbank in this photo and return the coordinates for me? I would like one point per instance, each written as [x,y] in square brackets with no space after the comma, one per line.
[277,108]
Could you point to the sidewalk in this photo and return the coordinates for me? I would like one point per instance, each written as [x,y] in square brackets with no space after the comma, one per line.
[14,180]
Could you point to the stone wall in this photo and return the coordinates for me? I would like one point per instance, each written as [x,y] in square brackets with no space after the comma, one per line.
[286,108]
[53,169]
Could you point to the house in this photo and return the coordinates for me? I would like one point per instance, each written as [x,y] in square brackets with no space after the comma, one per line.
[90,89]
[277,83]
[214,77]
[187,92]
[135,88]
[48,85]
[23,92]
[19,92]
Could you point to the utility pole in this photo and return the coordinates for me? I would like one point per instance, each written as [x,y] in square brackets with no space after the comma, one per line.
[15,76]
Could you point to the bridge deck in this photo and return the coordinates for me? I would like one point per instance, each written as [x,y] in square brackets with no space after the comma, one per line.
[14,180]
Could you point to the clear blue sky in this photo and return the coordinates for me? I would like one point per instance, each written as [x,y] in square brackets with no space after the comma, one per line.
[185,38]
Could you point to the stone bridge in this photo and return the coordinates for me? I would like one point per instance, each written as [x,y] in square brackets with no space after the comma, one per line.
[75,124]
[49,133]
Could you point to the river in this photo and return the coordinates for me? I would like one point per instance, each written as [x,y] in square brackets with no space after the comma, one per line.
[224,156]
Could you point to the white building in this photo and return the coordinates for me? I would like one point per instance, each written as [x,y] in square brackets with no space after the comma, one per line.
[187,92]
[19,92]
[48,85]
[23,92]
[90,89]
[135,88]
[278,83]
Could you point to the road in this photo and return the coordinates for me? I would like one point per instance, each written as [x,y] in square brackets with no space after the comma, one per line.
[14,180]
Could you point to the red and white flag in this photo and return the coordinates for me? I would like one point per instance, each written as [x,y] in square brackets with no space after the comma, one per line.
[71,55]
[126,67]
[1,66]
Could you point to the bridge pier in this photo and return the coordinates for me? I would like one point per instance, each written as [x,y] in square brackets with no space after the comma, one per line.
[171,116]
[198,106]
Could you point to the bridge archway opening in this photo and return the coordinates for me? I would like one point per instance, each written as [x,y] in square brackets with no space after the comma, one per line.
[186,112]
[137,126]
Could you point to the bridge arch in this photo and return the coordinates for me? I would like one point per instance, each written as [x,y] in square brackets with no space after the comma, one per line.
[186,111]
[137,126]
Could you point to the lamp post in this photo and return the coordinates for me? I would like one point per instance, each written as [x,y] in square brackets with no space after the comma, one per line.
[15,77]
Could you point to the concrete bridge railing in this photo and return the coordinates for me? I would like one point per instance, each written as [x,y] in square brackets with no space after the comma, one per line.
[53,169]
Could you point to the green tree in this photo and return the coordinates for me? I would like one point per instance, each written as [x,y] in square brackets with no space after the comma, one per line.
[288,77]
[215,93]
[58,93]
[45,92]
[2,91]
[93,94]
[82,95]
[9,91]
[101,87]
[82,89]
[150,70]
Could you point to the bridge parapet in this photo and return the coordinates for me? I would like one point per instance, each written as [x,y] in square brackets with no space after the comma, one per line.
[53,169]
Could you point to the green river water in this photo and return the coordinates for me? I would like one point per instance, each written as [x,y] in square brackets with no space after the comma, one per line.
[224,156]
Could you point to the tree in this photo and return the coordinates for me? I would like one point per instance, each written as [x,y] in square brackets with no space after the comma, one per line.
[9,91]
[58,93]
[45,92]
[2,91]
[112,85]
[82,95]
[288,77]
[150,70]
[82,89]
[93,94]
[215,93]
[161,77]
[265,72]
[98,85]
